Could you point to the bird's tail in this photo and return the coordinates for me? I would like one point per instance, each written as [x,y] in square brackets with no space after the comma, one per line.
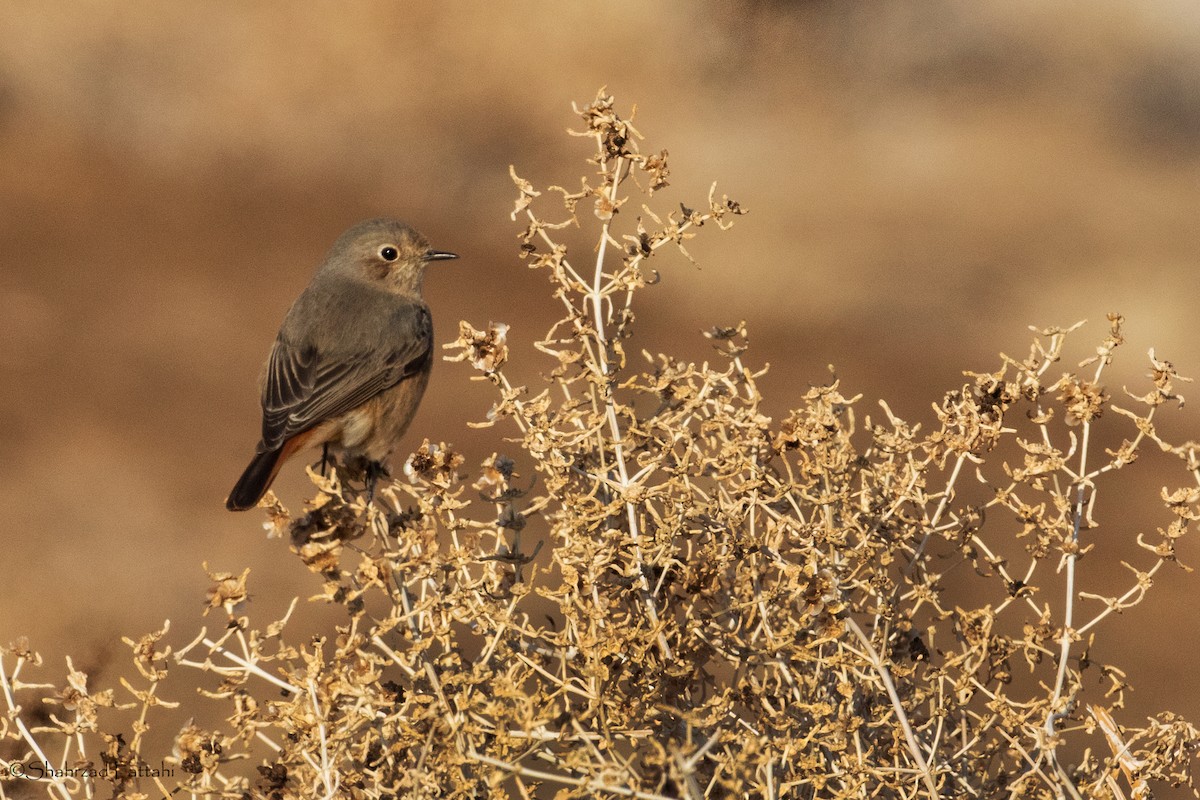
[255,480]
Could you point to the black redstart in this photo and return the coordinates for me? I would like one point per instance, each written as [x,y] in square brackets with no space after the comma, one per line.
[352,357]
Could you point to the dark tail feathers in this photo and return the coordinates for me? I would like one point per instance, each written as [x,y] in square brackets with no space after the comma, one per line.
[255,480]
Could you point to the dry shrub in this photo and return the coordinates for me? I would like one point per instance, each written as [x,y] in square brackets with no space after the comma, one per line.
[664,592]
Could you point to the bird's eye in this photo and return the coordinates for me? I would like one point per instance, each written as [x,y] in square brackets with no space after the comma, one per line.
[389,253]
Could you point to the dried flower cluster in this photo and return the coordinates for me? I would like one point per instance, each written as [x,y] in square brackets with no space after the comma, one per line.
[664,593]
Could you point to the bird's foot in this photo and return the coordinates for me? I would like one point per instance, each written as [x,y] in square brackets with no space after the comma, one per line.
[368,471]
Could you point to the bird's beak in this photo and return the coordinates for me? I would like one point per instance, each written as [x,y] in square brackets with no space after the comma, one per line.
[439,255]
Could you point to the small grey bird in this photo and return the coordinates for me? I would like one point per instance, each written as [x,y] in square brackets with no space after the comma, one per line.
[352,357]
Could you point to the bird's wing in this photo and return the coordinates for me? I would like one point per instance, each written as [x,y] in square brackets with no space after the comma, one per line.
[306,385]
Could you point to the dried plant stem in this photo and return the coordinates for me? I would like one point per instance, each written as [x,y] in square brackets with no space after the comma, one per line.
[243,665]
[1130,598]
[610,407]
[326,770]
[914,747]
[1057,707]
[10,701]
[935,520]
[590,784]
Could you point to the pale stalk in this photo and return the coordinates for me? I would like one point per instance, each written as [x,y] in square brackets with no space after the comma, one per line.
[611,409]
[910,736]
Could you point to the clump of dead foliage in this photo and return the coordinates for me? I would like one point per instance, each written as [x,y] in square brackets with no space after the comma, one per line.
[657,591]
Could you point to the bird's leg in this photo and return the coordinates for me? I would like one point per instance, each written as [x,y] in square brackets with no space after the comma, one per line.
[323,465]
[375,470]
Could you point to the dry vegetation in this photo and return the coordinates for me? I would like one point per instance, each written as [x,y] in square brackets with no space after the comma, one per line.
[662,592]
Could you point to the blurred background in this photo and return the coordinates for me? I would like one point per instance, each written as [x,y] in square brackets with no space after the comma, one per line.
[924,179]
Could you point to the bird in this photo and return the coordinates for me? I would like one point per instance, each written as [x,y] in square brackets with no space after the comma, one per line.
[352,357]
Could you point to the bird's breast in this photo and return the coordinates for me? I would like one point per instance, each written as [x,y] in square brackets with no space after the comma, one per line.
[374,428]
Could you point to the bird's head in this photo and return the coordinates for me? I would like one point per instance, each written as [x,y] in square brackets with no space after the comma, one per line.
[386,252]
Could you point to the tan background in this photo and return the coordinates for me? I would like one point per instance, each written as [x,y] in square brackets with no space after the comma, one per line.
[925,180]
